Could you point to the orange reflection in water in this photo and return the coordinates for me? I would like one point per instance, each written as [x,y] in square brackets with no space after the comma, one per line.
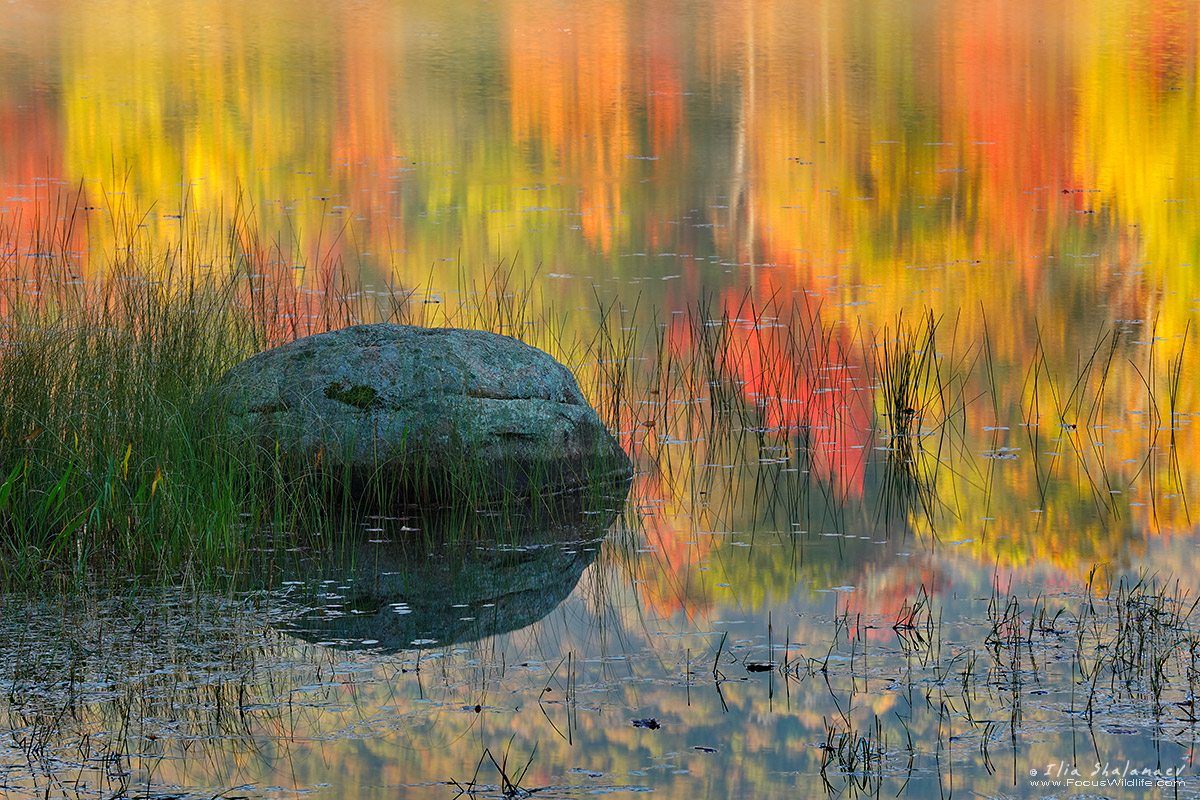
[570,72]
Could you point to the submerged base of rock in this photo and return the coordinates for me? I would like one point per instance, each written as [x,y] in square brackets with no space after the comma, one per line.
[399,413]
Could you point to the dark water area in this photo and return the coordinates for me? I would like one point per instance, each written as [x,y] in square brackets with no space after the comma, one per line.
[895,305]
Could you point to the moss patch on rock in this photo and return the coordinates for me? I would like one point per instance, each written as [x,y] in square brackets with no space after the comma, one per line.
[358,396]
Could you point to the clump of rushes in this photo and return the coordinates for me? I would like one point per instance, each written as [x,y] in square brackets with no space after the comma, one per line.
[103,457]
[911,390]
[907,371]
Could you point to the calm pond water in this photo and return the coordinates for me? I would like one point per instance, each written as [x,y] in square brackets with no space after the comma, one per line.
[771,199]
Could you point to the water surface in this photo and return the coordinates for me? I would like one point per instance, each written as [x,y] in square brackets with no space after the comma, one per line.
[821,176]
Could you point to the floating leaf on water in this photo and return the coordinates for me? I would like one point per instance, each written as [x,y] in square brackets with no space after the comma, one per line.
[704,749]
[649,722]
[1121,731]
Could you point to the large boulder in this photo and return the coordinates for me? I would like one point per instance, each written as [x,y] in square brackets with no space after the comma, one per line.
[413,414]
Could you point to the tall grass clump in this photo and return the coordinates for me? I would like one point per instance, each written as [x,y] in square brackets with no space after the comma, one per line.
[104,453]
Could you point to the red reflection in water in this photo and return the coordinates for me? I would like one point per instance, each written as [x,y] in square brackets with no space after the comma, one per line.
[796,382]
[802,381]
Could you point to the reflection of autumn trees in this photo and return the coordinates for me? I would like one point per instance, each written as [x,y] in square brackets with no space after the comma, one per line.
[761,422]
[758,415]
[569,68]
[363,141]
[1008,72]
[881,146]
[31,144]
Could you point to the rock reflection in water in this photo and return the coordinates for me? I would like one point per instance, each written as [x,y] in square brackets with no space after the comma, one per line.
[455,578]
